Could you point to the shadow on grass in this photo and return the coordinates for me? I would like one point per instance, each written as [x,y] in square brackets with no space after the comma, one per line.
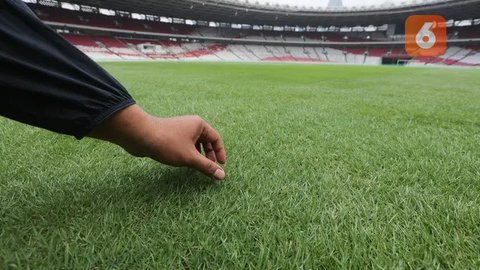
[180,183]
[135,193]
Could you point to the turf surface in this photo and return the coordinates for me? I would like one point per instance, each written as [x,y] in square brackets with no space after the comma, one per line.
[329,167]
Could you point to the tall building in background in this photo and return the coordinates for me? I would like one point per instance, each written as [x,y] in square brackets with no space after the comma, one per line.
[335,3]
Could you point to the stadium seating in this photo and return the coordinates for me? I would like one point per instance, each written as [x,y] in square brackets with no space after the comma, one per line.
[104,47]
[111,48]
[454,56]
[107,46]
[58,15]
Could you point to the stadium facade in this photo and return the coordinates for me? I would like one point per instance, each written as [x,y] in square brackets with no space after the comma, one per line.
[246,31]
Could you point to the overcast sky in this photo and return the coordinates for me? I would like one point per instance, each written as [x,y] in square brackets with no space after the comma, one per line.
[323,3]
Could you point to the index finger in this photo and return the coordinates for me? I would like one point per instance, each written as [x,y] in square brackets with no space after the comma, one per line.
[210,135]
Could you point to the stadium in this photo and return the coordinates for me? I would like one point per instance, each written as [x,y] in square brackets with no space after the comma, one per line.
[216,31]
[345,151]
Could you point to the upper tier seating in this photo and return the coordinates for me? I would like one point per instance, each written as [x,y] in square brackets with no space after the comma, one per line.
[52,14]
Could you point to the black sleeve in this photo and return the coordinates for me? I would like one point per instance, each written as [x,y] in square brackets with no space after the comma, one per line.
[47,82]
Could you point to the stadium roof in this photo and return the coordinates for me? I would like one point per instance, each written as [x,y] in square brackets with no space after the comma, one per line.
[249,12]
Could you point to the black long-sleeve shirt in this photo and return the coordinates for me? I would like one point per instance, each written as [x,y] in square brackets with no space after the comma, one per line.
[47,82]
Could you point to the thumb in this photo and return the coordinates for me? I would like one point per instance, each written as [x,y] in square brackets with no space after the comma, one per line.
[208,167]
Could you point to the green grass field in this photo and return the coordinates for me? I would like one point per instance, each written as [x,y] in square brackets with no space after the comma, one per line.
[330,167]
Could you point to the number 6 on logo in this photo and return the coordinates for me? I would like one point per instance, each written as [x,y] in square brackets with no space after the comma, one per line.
[425,35]
[425,38]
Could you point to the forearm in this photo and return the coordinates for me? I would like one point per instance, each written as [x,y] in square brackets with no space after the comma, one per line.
[128,128]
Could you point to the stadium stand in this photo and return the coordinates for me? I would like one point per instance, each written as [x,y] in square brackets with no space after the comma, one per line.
[64,16]
[121,37]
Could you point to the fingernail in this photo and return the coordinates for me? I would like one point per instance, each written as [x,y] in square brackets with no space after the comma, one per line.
[219,174]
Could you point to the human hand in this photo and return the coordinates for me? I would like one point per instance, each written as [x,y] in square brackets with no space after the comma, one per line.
[176,141]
